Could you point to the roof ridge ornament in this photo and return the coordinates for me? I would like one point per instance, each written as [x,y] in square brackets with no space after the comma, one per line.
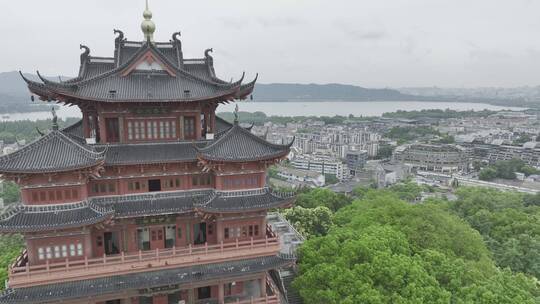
[176,35]
[236,114]
[120,36]
[54,119]
[85,54]
[148,26]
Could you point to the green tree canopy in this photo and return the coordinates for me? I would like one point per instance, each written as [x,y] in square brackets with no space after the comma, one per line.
[322,197]
[310,222]
[509,223]
[383,250]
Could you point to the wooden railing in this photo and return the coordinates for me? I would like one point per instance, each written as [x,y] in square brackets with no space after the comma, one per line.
[141,261]
[264,300]
[272,286]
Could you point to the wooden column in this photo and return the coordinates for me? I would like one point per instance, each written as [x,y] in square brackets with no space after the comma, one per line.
[121,129]
[102,129]
[219,229]
[191,296]
[181,125]
[262,280]
[221,293]
[86,125]
[198,125]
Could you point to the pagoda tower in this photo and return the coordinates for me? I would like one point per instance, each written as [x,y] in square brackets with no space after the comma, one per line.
[150,198]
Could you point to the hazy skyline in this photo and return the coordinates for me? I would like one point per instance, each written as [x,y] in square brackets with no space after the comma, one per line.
[399,43]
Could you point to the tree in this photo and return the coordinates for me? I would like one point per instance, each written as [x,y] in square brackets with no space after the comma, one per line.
[10,192]
[310,222]
[383,250]
[322,197]
[488,173]
[529,170]
[374,266]
[385,151]
[508,222]
[10,248]
[331,179]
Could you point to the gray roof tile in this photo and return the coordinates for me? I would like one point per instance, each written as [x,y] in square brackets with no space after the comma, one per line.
[102,80]
[26,218]
[53,152]
[148,153]
[238,144]
[151,279]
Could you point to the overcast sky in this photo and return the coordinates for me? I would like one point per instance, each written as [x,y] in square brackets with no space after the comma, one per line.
[371,43]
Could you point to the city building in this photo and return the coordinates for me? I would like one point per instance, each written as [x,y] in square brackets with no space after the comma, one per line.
[528,153]
[302,178]
[356,160]
[430,157]
[323,164]
[150,198]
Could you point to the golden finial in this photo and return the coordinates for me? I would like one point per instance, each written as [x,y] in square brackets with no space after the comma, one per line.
[148,26]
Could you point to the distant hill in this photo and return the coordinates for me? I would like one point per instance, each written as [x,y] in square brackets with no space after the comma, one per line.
[294,91]
[12,87]
[14,95]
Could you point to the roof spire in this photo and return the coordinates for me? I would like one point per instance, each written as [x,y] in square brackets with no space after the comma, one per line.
[236,115]
[54,120]
[148,26]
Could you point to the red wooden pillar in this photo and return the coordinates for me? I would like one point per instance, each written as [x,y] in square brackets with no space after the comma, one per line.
[198,125]
[102,130]
[86,124]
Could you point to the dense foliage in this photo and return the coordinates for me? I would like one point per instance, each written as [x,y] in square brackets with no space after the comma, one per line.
[508,222]
[260,118]
[310,221]
[10,192]
[506,169]
[330,179]
[322,197]
[10,248]
[381,249]
[12,131]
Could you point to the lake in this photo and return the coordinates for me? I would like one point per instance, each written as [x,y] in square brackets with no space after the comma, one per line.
[304,108]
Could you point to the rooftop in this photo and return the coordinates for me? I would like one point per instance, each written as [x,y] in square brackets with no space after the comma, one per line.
[26,218]
[54,152]
[89,288]
[143,72]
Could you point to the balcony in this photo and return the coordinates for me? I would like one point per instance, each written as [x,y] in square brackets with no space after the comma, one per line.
[23,275]
[272,296]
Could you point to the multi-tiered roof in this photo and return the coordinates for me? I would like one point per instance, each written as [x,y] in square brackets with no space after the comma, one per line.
[214,176]
[125,78]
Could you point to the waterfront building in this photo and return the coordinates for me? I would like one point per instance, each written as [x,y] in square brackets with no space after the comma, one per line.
[150,198]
